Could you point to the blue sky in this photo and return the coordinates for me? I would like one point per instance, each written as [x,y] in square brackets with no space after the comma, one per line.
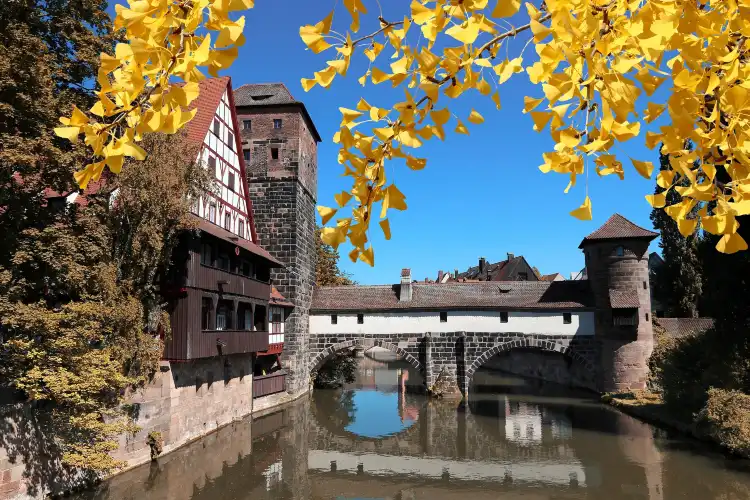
[481,195]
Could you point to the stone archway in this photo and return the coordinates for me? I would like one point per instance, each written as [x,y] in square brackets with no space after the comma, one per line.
[548,346]
[326,353]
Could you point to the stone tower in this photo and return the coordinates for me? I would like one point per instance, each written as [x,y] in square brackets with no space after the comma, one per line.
[617,268]
[280,145]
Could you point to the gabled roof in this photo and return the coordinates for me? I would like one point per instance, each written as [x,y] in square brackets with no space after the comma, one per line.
[618,228]
[277,299]
[232,238]
[498,271]
[511,295]
[551,277]
[258,95]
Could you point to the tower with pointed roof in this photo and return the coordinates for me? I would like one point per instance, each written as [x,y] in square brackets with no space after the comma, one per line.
[617,267]
[279,143]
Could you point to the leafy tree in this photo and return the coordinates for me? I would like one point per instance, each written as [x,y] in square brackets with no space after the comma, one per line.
[677,282]
[599,66]
[80,302]
[339,369]
[536,272]
[327,272]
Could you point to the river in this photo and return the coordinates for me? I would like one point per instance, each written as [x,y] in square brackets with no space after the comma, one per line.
[374,439]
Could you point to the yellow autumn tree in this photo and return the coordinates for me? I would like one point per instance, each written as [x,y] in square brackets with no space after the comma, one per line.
[597,67]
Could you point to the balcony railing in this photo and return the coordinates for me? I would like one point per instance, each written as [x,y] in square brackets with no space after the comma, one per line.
[221,342]
[264,385]
[625,320]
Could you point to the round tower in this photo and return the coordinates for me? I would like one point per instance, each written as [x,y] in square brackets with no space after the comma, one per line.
[617,268]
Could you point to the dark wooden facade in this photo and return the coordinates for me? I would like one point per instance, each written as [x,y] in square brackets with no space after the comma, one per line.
[264,385]
[219,293]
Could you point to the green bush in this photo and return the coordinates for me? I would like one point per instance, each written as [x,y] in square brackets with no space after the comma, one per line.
[340,369]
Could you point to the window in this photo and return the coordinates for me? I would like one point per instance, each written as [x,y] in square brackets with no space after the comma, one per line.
[247,124]
[221,317]
[503,317]
[223,261]
[206,306]
[246,269]
[274,153]
[212,213]
[230,181]
[248,323]
[230,140]
[206,254]
[645,286]
[360,318]
[620,251]
[241,228]
[567,319]
[227,221]
[277,123]
[212,165]
[217,127]
[443,317]
[276,320]
[246,154]
[334,319]
[646,316]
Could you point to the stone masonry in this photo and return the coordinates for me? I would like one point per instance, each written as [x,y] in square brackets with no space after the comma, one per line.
[282,179]
[457,355]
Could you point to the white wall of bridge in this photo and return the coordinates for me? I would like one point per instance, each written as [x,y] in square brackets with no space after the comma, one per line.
[545,323]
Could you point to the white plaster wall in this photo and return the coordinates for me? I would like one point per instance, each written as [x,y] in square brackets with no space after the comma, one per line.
[549,323]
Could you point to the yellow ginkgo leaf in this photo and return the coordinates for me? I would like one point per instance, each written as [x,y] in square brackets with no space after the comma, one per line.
[326,213]
[342,198]
[386,227]
[656,200]
[368,256]
[348,116]
[645,168]
[687,226]
[506,8]
[475,117]
[584,211]
[416,163]
[461,128]
[541,119]
[69,133]
[731,243]
[529,103]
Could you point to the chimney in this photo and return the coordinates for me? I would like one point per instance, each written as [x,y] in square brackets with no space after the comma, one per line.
[511,256]
[405,291]
[482,269]
[440,276]
[455,274]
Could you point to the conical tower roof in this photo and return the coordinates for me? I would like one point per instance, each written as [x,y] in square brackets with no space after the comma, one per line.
[618,228]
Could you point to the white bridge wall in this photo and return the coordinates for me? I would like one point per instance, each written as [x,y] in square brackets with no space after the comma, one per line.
[545,323]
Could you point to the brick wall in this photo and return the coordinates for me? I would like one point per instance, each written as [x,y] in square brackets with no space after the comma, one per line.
[183,402]
[624,350]
[283,192]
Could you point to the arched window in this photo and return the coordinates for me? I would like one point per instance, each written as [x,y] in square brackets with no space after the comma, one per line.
[620,251]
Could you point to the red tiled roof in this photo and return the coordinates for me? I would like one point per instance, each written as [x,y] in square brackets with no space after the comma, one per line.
[225,235]
[678,327]
[209,97]
[480,295]
[623,299]
[550,277]
[618,227]
[279,300]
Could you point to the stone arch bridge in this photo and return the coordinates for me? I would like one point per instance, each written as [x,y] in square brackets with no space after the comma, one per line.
[448,360]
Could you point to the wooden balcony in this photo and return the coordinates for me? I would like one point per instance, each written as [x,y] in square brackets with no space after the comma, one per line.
[212,278]
[264,385]
[215,342]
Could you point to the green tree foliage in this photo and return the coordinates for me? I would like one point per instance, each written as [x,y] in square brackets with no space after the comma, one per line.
[327,272]
[339,369]
[677,282]
[80,302]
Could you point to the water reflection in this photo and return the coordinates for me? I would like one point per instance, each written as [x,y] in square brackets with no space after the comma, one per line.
[377,439]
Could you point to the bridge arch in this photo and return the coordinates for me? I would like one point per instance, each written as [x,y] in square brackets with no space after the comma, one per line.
[541,345]
[329,351]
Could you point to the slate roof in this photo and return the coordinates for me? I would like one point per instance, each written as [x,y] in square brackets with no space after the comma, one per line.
[256,95]
[260,94]
[679,327]
[480,295]
[618,227]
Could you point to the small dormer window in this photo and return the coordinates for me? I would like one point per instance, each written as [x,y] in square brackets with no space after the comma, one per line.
[620,251]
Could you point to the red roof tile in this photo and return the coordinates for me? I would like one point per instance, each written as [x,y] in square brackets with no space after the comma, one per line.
[623,299]
[618,227]
[685,326]
[279,300]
